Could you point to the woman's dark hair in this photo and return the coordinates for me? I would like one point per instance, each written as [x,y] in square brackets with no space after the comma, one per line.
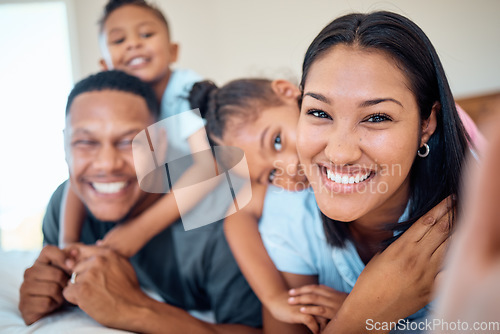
[243,99]
[432,178]
[117,81]
[113,5]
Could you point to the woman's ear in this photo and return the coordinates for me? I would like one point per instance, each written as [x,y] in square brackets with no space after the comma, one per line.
[285,89]
[429,125]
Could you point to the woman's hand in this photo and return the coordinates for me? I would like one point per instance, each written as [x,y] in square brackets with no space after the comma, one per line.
[399,281]
[320,301]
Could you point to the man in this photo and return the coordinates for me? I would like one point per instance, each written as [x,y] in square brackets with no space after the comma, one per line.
[191,270]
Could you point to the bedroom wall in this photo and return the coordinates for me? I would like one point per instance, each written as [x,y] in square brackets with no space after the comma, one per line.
[226,39]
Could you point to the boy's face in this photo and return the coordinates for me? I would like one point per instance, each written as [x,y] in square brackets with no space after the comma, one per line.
[98,139]
[136,41]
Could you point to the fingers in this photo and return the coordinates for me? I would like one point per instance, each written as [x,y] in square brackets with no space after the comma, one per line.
[312,299]
[309,322]
[422,226]
[52,255]
[36,307]
[322,290]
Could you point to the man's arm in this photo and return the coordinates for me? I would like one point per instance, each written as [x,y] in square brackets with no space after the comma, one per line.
[105,278]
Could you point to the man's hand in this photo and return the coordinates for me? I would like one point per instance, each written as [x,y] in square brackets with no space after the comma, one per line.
[105,286]
[41,291]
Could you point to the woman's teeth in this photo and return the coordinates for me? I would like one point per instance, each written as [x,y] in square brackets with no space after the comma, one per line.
[346,179]
[109,188]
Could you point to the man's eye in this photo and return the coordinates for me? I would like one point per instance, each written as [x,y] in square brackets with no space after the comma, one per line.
[318,113]
[277,143]
[84,143]
[272,176]
[377,118]
[125,143]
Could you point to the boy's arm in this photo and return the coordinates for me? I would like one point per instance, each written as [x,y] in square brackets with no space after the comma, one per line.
[129,237]
[73,213]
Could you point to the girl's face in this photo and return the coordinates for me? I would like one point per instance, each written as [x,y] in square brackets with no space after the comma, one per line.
[358,134]
[269,143]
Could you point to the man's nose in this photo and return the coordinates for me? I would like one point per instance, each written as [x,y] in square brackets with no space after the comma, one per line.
[108,158]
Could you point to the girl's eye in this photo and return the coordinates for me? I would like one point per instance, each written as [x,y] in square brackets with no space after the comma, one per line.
[377,118]
[277,143]
[318,113]
[147,35]
[272,175]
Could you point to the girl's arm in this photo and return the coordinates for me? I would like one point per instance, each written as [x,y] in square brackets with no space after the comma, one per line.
[243,236]
[129,237]
[72,218]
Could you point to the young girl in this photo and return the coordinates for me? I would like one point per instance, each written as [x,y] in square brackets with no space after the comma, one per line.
[381,144]
[134,38]
[260,116]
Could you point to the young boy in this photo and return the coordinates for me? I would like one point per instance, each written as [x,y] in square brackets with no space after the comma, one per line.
[134,38]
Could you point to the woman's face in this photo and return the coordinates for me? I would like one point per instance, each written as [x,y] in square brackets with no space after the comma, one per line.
[358,134]
[269,143]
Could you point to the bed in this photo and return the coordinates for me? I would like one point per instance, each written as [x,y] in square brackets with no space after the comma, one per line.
[71,320]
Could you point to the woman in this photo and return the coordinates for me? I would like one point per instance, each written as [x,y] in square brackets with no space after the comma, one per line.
[381,143]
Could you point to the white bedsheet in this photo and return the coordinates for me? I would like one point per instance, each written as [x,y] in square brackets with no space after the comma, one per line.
[12,266]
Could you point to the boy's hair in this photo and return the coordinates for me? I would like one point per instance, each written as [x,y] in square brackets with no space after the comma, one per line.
[113,5]
[118,81]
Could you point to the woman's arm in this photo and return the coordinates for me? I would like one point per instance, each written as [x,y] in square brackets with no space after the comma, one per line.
[399,281]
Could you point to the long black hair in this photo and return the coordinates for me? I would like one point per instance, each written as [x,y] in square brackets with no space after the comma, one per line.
[438,175]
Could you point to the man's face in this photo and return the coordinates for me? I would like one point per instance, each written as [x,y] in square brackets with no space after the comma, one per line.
[99,130]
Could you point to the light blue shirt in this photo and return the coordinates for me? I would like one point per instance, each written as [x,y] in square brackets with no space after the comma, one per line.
[292,231]
[178,119]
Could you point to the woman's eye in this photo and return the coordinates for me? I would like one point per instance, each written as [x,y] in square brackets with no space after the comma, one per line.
[377,118]
[277,143]
[318,113]
[272,175]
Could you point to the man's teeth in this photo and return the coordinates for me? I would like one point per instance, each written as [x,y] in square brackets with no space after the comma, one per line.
[346,179]
[109,188]
[137,61]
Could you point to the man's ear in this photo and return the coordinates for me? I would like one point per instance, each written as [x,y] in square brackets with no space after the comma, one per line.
[103,65]
[285,89]
[429,125]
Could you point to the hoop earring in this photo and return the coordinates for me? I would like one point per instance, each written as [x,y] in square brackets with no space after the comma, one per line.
[425,153]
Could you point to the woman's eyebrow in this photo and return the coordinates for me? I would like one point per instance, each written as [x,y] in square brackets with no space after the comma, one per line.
[369,103]
[318,97]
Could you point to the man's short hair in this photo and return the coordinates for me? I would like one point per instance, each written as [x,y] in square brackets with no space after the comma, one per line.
[119,81]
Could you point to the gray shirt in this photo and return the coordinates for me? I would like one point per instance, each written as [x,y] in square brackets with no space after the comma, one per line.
[193,270]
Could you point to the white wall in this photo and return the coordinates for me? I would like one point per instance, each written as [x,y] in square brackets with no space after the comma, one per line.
[227,39]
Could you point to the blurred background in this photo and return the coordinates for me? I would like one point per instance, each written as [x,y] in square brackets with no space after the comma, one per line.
[46,46]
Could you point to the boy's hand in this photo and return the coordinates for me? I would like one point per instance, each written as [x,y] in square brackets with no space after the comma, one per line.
[320,301]
[125,238]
